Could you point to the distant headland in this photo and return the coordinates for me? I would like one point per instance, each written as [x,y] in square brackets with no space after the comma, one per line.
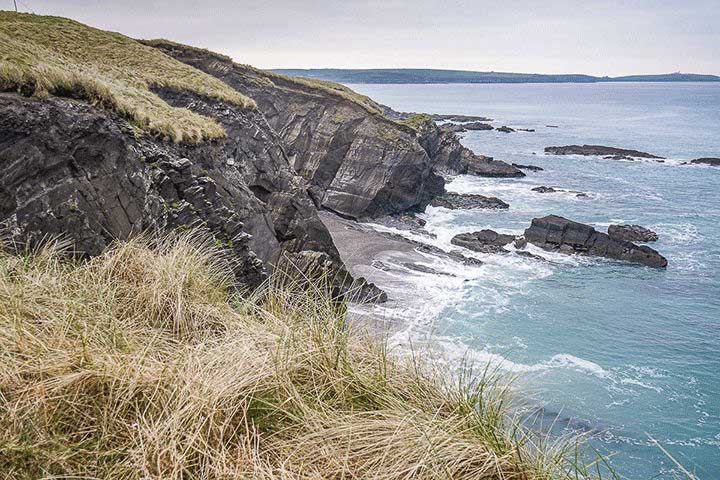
[424,75]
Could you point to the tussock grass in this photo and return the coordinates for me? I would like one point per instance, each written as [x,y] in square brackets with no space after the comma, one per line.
[268,78]
[42,55]
[144,363]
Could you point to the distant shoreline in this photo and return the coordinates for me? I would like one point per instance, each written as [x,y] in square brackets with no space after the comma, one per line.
[441,77]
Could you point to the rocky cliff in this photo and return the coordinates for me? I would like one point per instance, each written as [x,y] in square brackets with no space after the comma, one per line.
[358,162]
[449,156]
[73,169]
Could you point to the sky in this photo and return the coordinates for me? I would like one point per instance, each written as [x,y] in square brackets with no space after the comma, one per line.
[611,37]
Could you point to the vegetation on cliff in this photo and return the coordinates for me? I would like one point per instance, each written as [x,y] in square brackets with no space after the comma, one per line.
[143,363]
[42,55]
[270,78]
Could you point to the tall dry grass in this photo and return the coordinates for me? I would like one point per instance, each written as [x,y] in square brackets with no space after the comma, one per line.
[145,363]
[44,55]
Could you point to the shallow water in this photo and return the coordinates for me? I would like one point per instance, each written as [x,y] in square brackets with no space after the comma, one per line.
[616,350]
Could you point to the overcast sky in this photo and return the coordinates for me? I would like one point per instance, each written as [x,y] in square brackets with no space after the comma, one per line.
[611,37]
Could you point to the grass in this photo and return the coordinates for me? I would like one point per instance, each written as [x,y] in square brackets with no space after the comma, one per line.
[268,78]
[417,121]
[145,363]
[42,55]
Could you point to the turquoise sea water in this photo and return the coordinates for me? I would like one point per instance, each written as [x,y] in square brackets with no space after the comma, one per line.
[621,352]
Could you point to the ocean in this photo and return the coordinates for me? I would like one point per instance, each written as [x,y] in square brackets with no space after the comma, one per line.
[628,355]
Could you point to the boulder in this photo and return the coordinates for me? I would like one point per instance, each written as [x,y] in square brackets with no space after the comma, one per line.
[632,233]
[555,233]
[484,241]
[454,201]
[600,151]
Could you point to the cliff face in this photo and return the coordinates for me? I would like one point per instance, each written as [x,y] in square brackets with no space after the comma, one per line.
[358,163]
[69,168]
[450,157]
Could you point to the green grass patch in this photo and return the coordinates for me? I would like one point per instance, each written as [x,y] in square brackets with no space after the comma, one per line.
[41,55]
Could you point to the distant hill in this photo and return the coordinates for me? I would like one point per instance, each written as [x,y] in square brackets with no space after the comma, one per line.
[422,75]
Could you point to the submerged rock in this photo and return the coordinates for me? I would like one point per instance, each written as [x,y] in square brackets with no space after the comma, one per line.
[714,162]
[460,118]
[485,241]
[632,233]
[556,233]
[532,168]
[598,150]
[544,189]
[454,201]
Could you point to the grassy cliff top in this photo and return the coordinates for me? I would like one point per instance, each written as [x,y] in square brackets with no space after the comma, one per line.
[270,78]
[51,55]
[331,88]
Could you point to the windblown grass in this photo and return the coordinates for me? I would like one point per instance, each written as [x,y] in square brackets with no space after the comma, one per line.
[272,79]
[42,55]
[143,363]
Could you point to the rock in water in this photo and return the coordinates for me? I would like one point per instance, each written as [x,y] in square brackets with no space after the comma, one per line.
[556,233]
[713,162]
[485,241]
[544,189]
[505,129]
[450,157]
[456,200]
[477,126]
[532,168]
[600,151]
[632,233]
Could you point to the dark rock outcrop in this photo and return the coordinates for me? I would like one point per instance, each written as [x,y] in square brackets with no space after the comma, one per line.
[321,271]
[532,168]
[460,118]
[477,126]
[714,162]
[452,127]
[505,129]
[357,162]
[72,169]
[450,157]
[632,233]
[556,233]
[599,150]
[544,189]
[485,241]
[454,201]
